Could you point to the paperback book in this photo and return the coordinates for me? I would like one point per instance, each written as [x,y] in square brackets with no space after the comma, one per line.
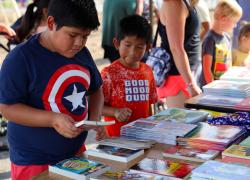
[78,168]
[127,175]
[208,136]
[189,153]
[246,142]
[180,115]
[237,151]
[115,153]
[163,167]
[221,171]
[123,142]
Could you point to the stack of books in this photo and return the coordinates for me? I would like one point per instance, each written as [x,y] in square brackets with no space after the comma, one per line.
[224,101]
[227,88]
[163,167]
[237,154]
[243,105]
[239,74]
[78,168]
[162,131]
[119,149]
[207,136]
[219,170]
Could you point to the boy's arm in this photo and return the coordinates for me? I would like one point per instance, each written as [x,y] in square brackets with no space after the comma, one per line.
[121,114]
[32,117]
[207,65]
[96,104]
[95,110]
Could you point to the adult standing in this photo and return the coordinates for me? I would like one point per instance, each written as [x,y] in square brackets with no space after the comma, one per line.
[113,12]
[179,29]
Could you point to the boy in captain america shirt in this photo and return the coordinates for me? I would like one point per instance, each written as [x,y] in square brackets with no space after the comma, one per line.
[128,84]
[44,87]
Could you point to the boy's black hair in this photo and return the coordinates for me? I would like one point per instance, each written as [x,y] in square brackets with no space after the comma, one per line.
[74,13]
[135,25]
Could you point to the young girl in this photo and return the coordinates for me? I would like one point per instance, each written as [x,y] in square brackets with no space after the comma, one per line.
[241,55]
[34,20]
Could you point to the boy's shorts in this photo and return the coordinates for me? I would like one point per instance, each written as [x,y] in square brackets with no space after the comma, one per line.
[172,86]
[26,172]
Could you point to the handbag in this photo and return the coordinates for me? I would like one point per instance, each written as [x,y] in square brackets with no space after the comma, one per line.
[160,62]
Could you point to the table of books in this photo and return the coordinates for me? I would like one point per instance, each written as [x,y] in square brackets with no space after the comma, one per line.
[193,103]
[154,152]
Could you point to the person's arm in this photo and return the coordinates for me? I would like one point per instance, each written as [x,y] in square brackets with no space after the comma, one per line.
[207,66]
[95,109]
[121,114]
[139,7]
[205,28]
[6,29]
[29,116]
[175,28]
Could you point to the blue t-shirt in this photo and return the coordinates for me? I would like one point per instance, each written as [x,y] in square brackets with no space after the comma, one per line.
[42,79]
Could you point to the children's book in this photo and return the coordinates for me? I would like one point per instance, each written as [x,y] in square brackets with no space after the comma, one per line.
[180,115]
[78,168]
[189,153]
[163,167]
[123,142]
[114,153]
[221,171]
[237,151]
[246,142]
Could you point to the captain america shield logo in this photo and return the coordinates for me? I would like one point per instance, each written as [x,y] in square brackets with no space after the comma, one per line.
[66,92]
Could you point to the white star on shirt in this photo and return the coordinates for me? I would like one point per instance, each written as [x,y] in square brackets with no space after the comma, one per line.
[76,98]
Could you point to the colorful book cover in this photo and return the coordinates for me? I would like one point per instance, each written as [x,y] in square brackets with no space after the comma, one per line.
[127,175]
[220,134]
[163,167]
[246,142]
[180,115]
[115,153]
[78,168]
[189,153]
[220,170]
[237,151]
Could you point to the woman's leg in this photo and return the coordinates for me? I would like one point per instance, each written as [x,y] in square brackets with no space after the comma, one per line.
[176,101]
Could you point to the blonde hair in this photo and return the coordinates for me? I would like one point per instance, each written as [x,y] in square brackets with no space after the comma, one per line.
[244,29]
[227,8]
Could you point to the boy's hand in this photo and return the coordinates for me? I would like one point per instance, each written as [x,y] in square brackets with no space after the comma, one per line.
[100,133]
[65,126]
[122,114]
